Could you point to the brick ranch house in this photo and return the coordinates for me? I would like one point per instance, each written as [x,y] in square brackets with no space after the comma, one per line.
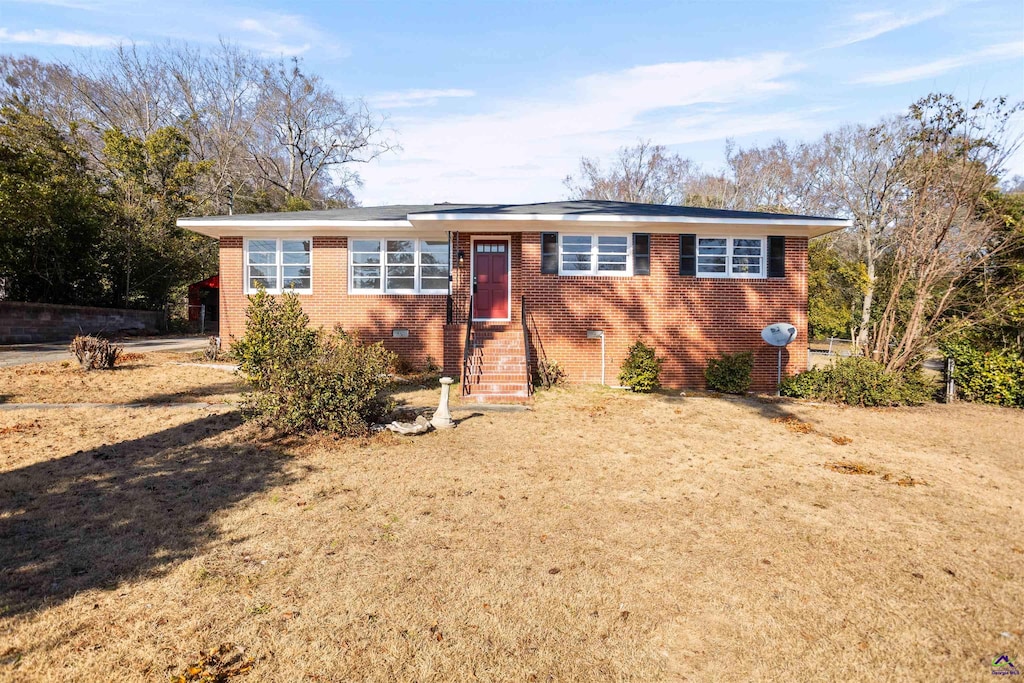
[485,291]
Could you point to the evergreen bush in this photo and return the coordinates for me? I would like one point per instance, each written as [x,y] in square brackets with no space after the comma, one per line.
[987,376]
[305,380]
[859,381]
[730,373]
[641,371]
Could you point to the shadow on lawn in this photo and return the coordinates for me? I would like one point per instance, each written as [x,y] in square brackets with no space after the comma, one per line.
[95,518]
[196,393]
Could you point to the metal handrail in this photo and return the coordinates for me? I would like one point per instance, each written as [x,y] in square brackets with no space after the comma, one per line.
[466,348]
[526,345]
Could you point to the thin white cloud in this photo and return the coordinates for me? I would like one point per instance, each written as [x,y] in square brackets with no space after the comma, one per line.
[40,36]
[992,53]
[90,5]
[871,24]
[524,146]
[280,34]
[415,98]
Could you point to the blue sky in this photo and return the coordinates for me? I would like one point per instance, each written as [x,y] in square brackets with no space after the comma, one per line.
[497,101]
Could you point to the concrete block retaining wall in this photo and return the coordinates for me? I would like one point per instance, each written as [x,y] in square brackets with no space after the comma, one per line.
[26,323]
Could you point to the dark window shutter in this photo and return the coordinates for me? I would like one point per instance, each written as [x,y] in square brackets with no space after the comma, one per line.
[641,253]
[549,253]
[688,255]
[776,257]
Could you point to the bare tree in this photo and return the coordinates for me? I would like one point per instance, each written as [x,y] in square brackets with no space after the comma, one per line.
[269,130]
[309,133]
[645,173]
[949,159]
[852,172]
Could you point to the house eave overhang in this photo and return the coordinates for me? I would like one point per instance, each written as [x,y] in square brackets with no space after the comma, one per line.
[219,227]
[483,222]
[437,223]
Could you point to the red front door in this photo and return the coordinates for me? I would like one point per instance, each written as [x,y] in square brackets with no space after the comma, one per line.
[490,280]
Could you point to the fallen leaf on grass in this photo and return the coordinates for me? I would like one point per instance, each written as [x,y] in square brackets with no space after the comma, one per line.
[841,440]
[19,427]
[592,410]
[216,666]
[794,425]
[554,570]
[845,467]
[905,480]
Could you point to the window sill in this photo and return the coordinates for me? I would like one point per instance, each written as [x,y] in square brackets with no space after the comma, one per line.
[358,292]
[708,276]
[278,292]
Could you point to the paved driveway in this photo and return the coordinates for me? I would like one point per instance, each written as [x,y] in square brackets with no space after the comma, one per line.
[21,354]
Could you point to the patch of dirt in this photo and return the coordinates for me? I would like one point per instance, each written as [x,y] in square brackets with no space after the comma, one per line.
[841,440]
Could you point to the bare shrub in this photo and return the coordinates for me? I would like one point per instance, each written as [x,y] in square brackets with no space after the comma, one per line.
[212,349]
[550,373]
[94,352]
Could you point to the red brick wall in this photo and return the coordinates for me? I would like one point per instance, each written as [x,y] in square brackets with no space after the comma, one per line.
[372,316]
[687,320]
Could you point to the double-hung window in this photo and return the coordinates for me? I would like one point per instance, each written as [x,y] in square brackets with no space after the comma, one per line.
[730,257]
[398,266]
[279,265]
[594,255]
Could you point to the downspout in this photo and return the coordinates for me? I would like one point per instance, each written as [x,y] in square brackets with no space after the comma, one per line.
[599,334]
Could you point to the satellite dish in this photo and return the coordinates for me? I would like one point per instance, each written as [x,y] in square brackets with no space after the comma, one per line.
[779,334]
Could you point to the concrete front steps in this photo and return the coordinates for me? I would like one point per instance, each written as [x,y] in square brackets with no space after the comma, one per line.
[496,371]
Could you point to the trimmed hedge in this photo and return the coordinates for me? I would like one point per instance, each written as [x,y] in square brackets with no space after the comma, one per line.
[859,381]
[730,373]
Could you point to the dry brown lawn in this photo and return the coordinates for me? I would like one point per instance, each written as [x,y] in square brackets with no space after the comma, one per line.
[143,377]
[599,536]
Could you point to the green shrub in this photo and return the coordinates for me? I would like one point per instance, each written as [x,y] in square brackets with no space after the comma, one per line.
[994,376]
[550,373]
[859,381]
[641,371]
[306,380]
[730,373]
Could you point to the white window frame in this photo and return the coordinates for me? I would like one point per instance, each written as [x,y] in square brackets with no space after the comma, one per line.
[729,244]
[278,265]
[594,252]
[417,274]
